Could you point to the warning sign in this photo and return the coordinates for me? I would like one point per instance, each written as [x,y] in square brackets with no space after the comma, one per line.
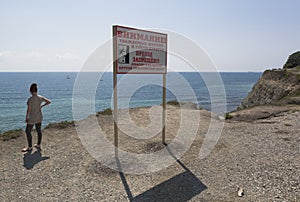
[139,51]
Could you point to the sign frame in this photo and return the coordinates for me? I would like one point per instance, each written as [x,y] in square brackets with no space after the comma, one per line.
[115,81]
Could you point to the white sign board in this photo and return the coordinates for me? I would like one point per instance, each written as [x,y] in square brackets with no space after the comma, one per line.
[139,51]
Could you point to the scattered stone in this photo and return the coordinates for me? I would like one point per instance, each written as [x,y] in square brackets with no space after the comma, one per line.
[241,192]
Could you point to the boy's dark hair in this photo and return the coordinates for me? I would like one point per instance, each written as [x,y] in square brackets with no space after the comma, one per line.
[33,88]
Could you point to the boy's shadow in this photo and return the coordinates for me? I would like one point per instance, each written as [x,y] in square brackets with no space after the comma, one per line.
[30,159]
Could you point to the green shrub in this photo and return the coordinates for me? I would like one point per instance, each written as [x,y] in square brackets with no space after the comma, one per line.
[60,125]
[107,111]
[12,134]
[295,93]
[228,116]
[173,102]
[293,61]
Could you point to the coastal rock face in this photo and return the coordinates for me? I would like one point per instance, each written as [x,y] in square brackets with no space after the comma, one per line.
[276,87]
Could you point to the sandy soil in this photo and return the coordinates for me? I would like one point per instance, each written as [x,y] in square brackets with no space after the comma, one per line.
[262,157]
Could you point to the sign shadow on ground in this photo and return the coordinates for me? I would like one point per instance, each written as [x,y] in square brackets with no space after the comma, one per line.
[181,187]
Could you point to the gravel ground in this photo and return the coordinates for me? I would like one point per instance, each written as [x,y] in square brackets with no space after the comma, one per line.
[262,157]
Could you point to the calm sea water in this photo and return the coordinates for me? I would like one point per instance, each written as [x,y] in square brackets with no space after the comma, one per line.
[58,87]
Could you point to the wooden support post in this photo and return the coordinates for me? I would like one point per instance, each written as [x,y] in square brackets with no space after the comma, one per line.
[115,111]
[115,84]
[164,110]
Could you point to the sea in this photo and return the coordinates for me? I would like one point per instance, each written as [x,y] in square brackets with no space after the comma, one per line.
[219,92]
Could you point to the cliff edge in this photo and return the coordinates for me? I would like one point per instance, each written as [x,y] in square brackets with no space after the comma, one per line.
[277,86]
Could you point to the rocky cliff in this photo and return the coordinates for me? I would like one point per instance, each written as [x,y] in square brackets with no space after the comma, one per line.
[277,86]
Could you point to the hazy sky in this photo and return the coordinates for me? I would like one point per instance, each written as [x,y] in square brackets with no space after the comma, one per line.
[59,35]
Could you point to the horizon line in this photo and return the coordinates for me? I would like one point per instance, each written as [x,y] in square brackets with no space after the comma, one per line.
[145,73]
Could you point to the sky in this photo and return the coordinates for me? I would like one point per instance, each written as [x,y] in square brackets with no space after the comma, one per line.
[59,35]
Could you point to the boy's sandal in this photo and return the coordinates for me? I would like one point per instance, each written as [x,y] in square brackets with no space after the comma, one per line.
[27,149]
[38,147]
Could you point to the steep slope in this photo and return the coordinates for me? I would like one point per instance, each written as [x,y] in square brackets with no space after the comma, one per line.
[276,87]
